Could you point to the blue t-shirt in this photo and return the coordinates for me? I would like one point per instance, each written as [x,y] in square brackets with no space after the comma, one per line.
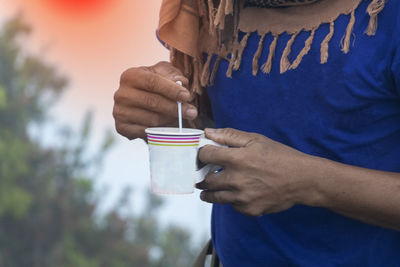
[347,110]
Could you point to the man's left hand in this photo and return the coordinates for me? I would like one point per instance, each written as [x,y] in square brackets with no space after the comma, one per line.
[259,176]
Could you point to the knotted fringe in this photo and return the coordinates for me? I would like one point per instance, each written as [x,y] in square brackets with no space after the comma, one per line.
[242,45]
[220,17]
[233,57]
[325,44]
[304,51]
[214,70]
[225,8]
[285,63]
[211,16]
[205,73]
[229,7]
[231,64]
[196,77]
[257,55]
[346,38]
[374,8]
[172,55]
[203,12]
[187,66]
[267,66]
[202,8]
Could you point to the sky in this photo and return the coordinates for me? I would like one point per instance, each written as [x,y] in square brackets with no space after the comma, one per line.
[92,42]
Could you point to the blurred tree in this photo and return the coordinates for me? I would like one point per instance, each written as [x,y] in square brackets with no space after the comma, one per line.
[47,200]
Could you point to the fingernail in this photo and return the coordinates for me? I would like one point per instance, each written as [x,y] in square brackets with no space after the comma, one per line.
[209,130]
[191,113]
[178,78]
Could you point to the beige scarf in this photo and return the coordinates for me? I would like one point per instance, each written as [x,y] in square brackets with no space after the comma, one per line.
[191,28]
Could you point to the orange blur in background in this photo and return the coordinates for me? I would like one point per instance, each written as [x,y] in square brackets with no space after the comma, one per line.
[93,41]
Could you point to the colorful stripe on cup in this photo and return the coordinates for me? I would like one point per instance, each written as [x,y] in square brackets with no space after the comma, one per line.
[173,140]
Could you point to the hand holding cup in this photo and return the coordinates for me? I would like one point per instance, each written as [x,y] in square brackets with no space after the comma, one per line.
[148,96]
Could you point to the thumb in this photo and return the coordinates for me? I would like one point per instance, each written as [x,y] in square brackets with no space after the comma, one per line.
[168,71]
[229,137]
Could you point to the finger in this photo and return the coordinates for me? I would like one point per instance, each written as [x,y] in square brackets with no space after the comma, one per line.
[167,70]
[229,137]
[222,156]
[131,131]
[216,182]
[155,103]
[221,197]
[145,79]
[140,116]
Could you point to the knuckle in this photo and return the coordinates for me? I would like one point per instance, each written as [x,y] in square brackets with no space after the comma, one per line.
[115,112]
[120,128]
[257,137]
[152,102]
[163,64]
[212,152]
[241,199]
[233,158]
[234,185]
[123,130]
[120,113]
[128,74]
[229,132]
[118,95]
[152,82]
[219,197]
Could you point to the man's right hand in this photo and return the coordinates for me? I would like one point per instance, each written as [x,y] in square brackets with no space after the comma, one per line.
[147,97]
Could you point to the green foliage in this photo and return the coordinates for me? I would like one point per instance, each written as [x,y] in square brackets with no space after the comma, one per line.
[47,200]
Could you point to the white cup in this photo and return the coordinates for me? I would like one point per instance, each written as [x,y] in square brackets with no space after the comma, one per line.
[173,159]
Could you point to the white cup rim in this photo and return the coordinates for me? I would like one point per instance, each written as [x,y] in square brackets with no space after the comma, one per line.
[173,131]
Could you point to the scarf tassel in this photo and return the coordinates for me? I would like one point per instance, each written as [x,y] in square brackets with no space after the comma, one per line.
[220,16]
[187,65]
[211,16]
[257,55]
[374,8]
[285,63]
[267,66]
[304,51]
[225,8]
[345,42]
[205,73]
[242,46]
[196,87]
[325,43]
[215,70]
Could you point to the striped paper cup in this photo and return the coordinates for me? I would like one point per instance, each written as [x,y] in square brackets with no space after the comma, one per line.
[173,156]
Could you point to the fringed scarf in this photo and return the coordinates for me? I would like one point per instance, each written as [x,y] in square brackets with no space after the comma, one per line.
[192,28]
[276,3]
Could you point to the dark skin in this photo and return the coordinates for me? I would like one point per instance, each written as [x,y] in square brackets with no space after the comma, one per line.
[147,97]
[260,176]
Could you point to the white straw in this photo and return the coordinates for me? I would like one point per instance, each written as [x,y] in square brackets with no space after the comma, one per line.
[180,110]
